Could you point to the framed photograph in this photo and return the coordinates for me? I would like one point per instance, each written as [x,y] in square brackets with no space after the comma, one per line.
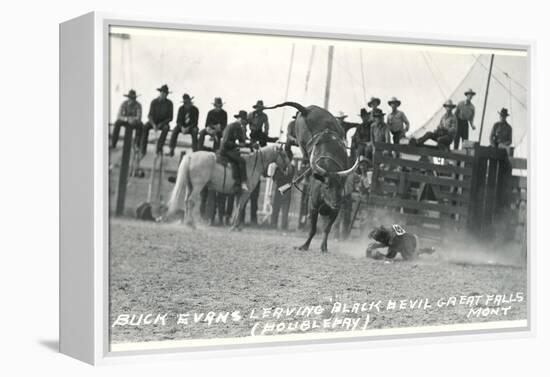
[225,187]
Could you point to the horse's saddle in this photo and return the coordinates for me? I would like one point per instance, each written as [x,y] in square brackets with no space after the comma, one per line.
[227,164]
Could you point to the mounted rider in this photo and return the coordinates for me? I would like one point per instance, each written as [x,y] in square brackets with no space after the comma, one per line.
[234,137]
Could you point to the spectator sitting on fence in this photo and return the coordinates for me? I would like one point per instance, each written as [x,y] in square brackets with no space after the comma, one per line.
[281,202]
[501,134]
[186,123]
[216,121]
[445,131]
[397,121]
[398,241]
[129,115]
[258,122]
[161,113]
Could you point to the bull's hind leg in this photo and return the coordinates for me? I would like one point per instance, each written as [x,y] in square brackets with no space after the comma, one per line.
[314,216]
[332,217]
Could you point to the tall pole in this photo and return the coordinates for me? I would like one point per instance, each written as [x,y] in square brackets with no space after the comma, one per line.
[486,96]
[287,87]
[329,75]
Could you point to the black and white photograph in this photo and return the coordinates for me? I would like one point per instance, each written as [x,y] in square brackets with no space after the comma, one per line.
[267,188]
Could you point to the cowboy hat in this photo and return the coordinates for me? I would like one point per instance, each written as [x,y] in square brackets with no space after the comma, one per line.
[503,112]
[372,100]
[241,115]
[164,89]
[394,100]
[218,101]
[187,98]
[131,94]
[449,103]
[259,104]
[469,91]
[341,115]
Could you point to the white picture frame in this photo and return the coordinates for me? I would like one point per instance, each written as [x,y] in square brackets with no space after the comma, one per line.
[84,208]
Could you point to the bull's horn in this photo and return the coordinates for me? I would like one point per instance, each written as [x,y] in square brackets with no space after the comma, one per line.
[347,172]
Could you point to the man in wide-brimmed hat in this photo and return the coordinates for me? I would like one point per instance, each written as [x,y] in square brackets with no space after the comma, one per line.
[161,113]
[465,113]
[374,102]
[397,121]
[233,138]
[445,131]
[258,122]
[501,134]
[129,115]
[216,121]
[379,131]
[186,123]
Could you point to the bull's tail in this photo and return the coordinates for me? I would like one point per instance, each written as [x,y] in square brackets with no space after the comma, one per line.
[182,185]
[296,105]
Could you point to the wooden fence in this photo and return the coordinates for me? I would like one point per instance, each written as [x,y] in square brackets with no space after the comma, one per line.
[436,193]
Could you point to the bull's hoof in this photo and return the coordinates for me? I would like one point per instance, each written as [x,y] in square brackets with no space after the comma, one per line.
[324,250]
[302,248]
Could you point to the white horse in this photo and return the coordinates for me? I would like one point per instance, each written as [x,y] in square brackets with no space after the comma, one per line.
[201,168]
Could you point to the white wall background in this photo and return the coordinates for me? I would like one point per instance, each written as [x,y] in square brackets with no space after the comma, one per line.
[29,236]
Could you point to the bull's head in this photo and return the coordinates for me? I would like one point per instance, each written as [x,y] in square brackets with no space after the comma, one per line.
[332,182]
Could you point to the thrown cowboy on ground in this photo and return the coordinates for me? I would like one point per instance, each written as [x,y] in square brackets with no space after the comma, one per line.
[501,134]
[129,115]
[161,113]
[397,121]
[465,113]
[398,241]
[233,138]
[186,123]
[445,131]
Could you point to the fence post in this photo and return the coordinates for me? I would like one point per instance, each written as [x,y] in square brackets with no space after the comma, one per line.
[124,167]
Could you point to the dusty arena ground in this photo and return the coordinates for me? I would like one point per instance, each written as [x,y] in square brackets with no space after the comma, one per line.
[161,268]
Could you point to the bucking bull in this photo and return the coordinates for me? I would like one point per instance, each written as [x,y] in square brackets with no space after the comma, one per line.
[322,141]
